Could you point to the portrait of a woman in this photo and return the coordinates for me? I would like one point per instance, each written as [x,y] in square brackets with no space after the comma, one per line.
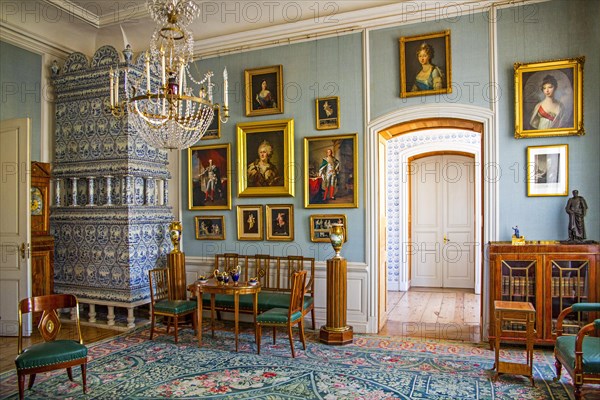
[430,76]
[548,113]
[262,172]
[264,98]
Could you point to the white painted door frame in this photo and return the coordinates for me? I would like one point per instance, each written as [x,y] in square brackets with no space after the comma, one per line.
[489,184]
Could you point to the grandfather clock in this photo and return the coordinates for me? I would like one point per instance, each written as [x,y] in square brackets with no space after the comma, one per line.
[42,243]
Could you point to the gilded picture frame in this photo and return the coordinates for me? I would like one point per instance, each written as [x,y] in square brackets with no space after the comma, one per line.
[250,222]
[548,170]
[327,113]
[331,171]
[280,222]
[209,177]
[210,227]
[549,98]
[320,223]
[264,90]
[425,64]
[214,129]
[266,158]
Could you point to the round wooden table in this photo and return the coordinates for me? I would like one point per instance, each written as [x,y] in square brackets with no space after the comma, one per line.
[213,288]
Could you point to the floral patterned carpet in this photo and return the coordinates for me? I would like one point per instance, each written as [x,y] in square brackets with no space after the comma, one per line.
[130,366]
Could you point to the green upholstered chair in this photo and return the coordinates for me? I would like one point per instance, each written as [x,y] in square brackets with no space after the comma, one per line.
[580,354]
[51,354]
[286,316]
[161,303]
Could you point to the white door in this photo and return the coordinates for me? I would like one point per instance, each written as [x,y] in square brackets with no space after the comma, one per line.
[14,223]
[442,221]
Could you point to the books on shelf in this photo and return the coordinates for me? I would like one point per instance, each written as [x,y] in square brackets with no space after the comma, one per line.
[568,286]
[522,286]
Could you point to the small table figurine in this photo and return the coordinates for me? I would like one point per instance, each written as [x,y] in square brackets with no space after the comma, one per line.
[517,239]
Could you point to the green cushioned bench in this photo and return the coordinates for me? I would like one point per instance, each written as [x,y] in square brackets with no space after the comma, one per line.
[274,274]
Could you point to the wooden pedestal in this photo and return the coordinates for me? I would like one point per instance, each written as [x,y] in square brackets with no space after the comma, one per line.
[176,265]
[336,331]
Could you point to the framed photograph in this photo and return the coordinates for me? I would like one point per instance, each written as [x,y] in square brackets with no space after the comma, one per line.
[320,225]
[331,167]
[264,90]
[214,129]
[425,66]
[548,170]
[250,222]
[549,98]
[328,113]
[266,158]
[210,227]
[209,183]
[280,222]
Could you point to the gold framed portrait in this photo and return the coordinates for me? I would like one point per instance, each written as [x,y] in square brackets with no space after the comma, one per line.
[320,225]
[209,177]
[548,170]
[250,222]
[266,158]
[264,90]
[210,227]
[328,112]
[425,64]
[280,222]
[549,98]
[331,171]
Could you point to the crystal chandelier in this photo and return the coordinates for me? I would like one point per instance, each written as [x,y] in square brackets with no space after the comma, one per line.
[169,115]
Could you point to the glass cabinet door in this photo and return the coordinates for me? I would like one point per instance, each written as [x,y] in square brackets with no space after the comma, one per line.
[568,284]
[518,283]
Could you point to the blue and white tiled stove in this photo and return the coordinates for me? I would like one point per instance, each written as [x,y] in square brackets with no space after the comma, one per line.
[110,216]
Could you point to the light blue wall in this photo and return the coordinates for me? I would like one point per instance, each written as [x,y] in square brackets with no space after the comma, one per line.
[20,75]
[470,63]
[328,67]
[546,31]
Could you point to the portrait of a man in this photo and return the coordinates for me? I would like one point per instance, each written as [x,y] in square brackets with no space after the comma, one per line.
[208,177]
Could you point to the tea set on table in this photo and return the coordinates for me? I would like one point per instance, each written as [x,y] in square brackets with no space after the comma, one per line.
[224,277]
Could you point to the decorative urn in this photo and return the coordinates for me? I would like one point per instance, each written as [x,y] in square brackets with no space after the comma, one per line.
[336,236]
[175,233]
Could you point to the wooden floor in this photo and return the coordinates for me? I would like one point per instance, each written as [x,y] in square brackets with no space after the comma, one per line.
[451,314]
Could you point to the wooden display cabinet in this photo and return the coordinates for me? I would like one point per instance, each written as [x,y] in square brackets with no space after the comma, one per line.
[549,275]
[42,243]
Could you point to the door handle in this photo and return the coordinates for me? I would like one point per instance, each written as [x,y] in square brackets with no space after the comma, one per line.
[24,250]
[446,240]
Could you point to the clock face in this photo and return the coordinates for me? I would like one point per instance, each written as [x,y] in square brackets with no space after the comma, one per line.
[37,201]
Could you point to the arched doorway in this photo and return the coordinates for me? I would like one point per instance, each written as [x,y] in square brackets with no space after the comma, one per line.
[425,122]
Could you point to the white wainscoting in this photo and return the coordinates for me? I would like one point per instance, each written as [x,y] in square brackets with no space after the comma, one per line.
[357,301]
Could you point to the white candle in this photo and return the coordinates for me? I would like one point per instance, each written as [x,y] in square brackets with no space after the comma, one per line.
[225,88]
[181,72]
[164,72]
[148,72]
[112,89]
[117,87]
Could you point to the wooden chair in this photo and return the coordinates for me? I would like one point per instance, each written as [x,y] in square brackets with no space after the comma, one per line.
[580,354]
[296,263]
[161,303]
[286,316]
[52,354]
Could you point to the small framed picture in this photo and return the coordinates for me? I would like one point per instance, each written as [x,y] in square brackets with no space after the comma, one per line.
[250,222]
[548,170]
[280,222]
[330,170]
[210,227]
[320,224]
[266,158]
[209,183]
[425,64]
[549,98]
[214,129]
[264,90]
[328,113]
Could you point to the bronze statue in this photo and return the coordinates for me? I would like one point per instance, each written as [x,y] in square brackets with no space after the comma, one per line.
[576,208]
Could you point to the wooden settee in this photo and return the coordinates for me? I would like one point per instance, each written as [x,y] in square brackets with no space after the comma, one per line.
[275,277]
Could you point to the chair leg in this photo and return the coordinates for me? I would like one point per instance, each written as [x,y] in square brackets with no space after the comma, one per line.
[291,340]
[176,327]
[84,376]
[312,315]
[21,386]
[558,366]
[577,391]
[274,334]
[152,321]
[301,327]
[70,374]
[195,322]
[258,335]
[31,381]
